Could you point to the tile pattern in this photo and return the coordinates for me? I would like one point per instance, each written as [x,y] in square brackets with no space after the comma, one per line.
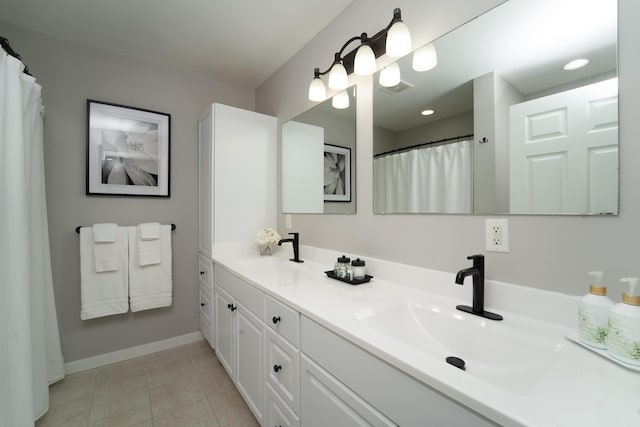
[183,386]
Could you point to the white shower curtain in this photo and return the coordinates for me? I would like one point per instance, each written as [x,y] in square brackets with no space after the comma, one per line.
[30,354]
[424,180]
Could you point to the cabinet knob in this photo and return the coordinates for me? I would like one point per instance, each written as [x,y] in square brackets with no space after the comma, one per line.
[275,320]
[202,273]
[276,368]
[231,307]
[202,304]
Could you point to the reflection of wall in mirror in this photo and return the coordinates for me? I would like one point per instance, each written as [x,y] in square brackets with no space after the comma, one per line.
[338,130]
[450,127]
[492,96]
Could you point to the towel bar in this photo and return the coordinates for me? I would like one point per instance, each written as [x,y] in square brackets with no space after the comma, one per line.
[173,227]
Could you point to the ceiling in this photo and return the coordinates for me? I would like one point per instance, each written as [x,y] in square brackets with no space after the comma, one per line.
[240,41]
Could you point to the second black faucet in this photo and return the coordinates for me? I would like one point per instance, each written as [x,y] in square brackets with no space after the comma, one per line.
[477,272]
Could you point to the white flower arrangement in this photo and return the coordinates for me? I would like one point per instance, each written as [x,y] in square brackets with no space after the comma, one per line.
[267,236]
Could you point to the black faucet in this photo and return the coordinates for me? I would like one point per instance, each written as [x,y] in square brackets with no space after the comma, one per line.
[296,248]
[477,272]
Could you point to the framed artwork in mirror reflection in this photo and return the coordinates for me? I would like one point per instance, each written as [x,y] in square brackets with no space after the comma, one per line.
[337,173]
[127,150]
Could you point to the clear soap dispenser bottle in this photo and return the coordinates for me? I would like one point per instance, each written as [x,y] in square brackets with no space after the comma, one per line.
[623,341]
[593,314]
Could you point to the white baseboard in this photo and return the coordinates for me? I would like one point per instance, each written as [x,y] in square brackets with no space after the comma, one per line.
[130,353]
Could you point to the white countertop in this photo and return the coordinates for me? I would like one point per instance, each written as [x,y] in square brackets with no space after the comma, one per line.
[576,387]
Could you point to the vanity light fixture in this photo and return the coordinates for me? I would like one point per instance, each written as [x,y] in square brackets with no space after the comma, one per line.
[425,58]
[394,40]
[390,75]
[341,100]
[575,64]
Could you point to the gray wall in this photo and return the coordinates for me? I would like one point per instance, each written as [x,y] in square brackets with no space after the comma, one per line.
[549,252]
[70,74]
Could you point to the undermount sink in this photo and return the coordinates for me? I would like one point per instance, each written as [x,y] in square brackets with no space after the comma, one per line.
[510,354]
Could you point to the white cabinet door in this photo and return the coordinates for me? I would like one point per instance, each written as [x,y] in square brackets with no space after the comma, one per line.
[237,180]
[225,331]
[250,359]
[327,402]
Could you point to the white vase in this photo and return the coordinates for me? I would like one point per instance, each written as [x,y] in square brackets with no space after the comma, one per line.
[267,248]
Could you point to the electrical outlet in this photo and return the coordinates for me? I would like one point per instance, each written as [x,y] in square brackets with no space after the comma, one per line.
[497,235]
[287,221]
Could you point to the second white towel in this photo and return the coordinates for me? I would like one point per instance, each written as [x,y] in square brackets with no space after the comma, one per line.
[150,286]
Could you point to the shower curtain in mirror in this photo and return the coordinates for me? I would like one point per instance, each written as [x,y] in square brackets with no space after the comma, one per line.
[424,180]
[30,354]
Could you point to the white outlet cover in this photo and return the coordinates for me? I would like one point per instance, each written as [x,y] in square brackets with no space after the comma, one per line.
[503,225]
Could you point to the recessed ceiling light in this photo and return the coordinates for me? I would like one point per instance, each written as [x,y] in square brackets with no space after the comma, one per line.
[575,64]
[427,112]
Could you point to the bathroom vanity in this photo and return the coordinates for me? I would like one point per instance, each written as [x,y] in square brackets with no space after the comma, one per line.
[304,349]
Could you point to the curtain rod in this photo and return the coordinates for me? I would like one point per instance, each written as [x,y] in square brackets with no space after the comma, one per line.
[7,47]
[173,227]
[398,150]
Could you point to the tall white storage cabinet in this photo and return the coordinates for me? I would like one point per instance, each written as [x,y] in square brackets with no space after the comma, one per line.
[237,188]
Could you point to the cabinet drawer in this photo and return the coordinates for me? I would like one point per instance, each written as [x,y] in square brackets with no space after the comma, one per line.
[283,369]
[251,297]
[205,272]
[284,320]
[205,304]
[207,331]
[278,413]
[327,402]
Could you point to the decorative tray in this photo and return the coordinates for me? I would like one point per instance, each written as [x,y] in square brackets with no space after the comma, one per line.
[366,278]
[573,336]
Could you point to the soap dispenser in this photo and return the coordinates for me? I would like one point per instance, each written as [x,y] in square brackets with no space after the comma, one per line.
[623,341]
[593,314]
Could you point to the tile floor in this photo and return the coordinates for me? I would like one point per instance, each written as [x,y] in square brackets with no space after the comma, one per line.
[183,386]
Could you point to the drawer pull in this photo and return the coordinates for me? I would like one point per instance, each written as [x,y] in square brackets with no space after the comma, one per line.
[275,320]
[276,368]
[202,304]
[231,307]
[202,273]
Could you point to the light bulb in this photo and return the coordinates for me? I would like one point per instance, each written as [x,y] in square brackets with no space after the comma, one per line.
[340,100]
[338,79]
[425,58]
[365,62]
[390,75]
[317,90]
[575,64]
[398,40]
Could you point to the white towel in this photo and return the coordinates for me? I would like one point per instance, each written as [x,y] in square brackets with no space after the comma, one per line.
[149,230]
[150,286]
[104,233]
[104,293]
[106,253]
[149,243]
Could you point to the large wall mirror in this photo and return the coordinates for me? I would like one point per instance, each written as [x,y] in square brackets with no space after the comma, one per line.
[318,158]
[510,130]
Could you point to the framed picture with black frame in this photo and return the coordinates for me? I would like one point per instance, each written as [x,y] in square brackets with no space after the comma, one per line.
[128,151]
[337,173]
